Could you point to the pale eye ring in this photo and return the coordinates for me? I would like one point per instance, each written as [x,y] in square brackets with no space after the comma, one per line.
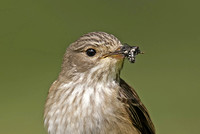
[90,52]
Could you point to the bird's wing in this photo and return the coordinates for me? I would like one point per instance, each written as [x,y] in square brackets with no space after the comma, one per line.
[136,109]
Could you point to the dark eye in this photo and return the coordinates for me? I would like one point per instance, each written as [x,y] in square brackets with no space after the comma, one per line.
[90,52]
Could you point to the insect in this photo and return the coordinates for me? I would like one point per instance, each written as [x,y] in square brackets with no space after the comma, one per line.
[130,52]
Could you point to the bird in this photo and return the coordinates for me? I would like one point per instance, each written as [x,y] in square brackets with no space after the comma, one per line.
[90,97]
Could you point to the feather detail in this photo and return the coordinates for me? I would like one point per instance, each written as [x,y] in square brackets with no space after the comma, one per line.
[137,111]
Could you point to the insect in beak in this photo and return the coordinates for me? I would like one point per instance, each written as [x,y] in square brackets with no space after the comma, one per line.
[130,52]
[126,51]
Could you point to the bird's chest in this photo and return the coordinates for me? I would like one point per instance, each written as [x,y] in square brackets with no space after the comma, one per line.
[85,109]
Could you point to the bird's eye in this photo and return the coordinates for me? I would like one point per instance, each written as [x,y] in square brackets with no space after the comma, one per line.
[90,52]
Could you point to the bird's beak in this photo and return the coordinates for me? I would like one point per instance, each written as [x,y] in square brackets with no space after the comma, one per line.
[117,54]
[125,51]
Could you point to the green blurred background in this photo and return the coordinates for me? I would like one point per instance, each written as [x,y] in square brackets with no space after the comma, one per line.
[35,33]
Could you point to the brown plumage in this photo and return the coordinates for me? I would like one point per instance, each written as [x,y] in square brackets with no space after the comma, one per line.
[89,97]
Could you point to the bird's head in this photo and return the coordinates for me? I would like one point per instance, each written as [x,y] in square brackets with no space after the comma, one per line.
[96,53]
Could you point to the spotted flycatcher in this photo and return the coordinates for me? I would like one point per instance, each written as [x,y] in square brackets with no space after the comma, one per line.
[89,97]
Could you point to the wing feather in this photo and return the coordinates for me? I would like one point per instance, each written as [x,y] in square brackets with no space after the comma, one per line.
[138,113]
